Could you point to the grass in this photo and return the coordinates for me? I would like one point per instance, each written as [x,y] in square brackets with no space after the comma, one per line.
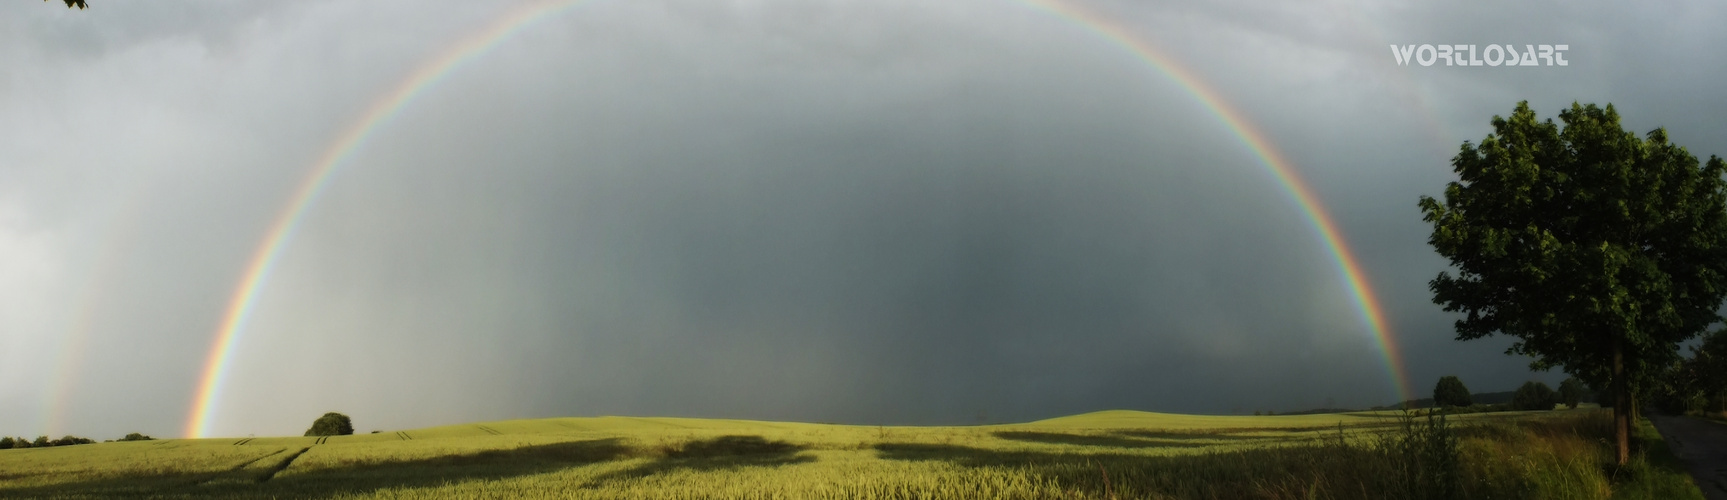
[1655,473]
[1104,455]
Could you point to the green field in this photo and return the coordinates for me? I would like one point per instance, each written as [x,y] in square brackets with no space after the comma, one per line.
[1111,454]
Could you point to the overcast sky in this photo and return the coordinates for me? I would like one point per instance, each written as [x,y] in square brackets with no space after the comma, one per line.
[873,212]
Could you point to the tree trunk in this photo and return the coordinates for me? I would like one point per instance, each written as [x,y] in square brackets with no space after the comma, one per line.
[1621,405]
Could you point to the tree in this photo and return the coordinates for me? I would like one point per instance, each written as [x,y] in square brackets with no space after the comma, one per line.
[41,442]
[331,424]
[1708,367]
[1599,252]
[1534,396]
[72,440]
[1572,391]
[136,437]
[1450,392]
[75,3]
[20,442]
[6,443]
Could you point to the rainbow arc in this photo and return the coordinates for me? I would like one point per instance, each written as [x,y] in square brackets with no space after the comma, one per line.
[264,259]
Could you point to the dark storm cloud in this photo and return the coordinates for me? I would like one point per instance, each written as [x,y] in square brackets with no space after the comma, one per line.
[869,212]
[1373,136]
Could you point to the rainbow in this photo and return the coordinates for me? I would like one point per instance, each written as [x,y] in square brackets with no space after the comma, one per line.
[263,260]
[1360,290]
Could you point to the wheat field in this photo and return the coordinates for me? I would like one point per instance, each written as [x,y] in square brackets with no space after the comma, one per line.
[1111,454]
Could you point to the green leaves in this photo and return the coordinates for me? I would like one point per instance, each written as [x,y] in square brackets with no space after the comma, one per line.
[1584,243]
[331,424]
[1570,237]
[1450,391]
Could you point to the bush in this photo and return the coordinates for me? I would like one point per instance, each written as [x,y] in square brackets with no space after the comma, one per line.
[136,437]
[1534,396]
[72,440]
[1423,458]
[1450,392]
[331,424]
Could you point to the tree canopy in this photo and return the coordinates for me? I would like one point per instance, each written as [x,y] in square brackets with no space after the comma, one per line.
[1572,391]
[1534,396]
[1699,383]
[1598,251]
[1450,391]
[331,424]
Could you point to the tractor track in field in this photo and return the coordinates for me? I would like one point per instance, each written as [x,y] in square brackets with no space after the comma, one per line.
[249,463]
[321,440]
[237,471]
[243,441]
[404,436]
[283,465]
[490,430]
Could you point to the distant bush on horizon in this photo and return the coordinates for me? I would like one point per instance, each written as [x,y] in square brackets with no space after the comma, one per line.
[7,443]
[1534,396]
[331,424]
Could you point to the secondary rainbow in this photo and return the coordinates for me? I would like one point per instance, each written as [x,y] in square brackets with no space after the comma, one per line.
[263,260]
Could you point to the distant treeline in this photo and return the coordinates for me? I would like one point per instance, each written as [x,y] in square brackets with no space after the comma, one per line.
[1481,398]
[7,443]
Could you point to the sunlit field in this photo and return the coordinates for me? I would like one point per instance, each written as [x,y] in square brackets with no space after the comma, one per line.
[1112,454]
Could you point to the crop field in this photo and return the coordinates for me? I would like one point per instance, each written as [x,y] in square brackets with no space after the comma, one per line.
[1113,454]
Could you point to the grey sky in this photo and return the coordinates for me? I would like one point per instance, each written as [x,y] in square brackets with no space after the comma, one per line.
[849,211]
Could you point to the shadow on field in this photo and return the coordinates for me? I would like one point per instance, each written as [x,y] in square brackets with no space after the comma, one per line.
[1268,472]
[1107,441]
[725,452]
[1208,436]
[364,478]
[134,483]
[241,482]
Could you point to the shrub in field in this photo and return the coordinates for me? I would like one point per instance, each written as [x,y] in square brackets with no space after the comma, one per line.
[1534,396]
[1423,459]
[331,424]
[1450,392]
[136,437]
